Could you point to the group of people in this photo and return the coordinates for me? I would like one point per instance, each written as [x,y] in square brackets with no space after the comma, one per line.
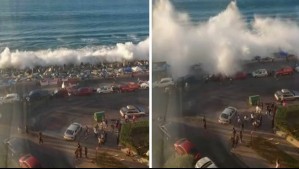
[78,151]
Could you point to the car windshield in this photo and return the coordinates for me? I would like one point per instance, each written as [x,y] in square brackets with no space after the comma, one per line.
[70,132]
[207,164]
[225,116]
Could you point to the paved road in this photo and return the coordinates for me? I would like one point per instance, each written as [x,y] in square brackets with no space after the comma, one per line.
[209,99]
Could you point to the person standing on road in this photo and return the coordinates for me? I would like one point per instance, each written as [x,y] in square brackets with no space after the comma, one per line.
[77,153]
[80,151]
[237,140]
[95,131]
[232,139]
[134,118]
[241,136]
[242,126]
[234,132]
[204,122]
[40,138]
[85,151]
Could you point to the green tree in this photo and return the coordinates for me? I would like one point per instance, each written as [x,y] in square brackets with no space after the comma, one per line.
[178,161]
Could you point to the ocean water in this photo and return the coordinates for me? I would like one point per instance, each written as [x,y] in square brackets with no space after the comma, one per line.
[202,10]
[40,30]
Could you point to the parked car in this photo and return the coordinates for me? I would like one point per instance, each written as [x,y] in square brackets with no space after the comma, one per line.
[58,93]
[105,89]
[227,115]
[82,91]
[131,110]
[267,59]
[240,76]
[72,131]
[144,85]
[205,162]
[38,94]
[284,71]
[134,85]
[29,161]
[164,82]
[10,98]
[184,146]
[260,73]
[286,94]
[126,88]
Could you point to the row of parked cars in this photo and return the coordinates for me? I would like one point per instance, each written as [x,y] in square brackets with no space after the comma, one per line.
[39,94]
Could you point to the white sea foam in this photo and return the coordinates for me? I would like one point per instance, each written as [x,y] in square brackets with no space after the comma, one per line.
[219,43]
[23,59]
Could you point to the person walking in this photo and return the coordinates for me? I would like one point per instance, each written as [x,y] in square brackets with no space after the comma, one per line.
[77,153]
[234,132]
[80,151]
[241,136]
[40,138]
[242,126]
[85,152]
[204,122]
[237,140]
[232,139]
[95,131]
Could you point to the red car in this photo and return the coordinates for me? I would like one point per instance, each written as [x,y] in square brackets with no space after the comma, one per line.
[130,87]
[134,85]
[29,161]
[83,91]
[184,146]
[240,76]
[126,88]
[284,71]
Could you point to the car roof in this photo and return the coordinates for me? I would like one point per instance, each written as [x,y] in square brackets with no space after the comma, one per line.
[200,163]
[73,126]
[285,91]
[185,144]
[31,160]
[227,110]
[131,107]
[11,94]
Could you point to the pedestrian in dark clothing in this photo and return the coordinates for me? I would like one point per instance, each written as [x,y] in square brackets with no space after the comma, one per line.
[40,138]
[237,140]
[106,121]
[234,132]
[76,153]
[204,122]
[85,150]
[232,139]
[79,146]
[242,125]
[80,151]
[26,129]
[268,109]
[241,136]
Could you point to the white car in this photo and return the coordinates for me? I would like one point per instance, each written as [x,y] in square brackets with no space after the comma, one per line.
[9,98]
[72,131]
[227,115]
[205,162]
[285,94]
[164,82]
[144,85]
[131,110]
[104,89]
[260,73]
